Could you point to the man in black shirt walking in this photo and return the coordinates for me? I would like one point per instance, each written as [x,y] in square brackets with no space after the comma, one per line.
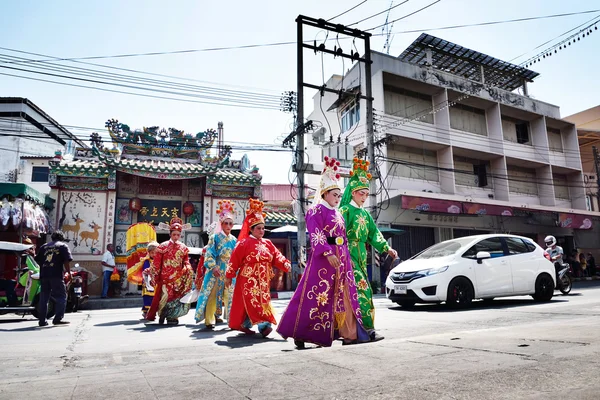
[52,258]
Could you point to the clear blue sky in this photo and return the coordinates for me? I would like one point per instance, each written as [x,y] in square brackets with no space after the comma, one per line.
[90,28]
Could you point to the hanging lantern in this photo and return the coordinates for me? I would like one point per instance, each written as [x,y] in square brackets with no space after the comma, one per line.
[188,208]
[135,204]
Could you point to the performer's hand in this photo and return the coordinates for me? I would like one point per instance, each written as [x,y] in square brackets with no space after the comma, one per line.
[333,261]
[216,272]
[227,282]
[393,253]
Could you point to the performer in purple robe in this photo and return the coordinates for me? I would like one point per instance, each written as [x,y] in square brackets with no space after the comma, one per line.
[325,305]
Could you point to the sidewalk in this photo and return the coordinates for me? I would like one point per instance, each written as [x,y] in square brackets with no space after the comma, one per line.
[97,303]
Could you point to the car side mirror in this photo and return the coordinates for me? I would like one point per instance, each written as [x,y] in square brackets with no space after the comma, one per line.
[482,255]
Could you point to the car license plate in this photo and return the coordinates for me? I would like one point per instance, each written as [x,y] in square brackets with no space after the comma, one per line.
[400,289]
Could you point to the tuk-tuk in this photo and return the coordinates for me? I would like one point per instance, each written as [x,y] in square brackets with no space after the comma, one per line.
[21,296]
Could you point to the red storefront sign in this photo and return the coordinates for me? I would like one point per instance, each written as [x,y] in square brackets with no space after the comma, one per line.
[431,205]
[487,209]
[575,221]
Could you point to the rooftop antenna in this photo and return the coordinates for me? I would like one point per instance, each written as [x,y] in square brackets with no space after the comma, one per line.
[387,31]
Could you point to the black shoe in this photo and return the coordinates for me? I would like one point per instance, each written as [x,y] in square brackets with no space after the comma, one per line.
[45,323]
[299,344]
[209,327]
[172,322]
[60,323]
[161,321]
[349,342]
[219,320]
[375,337]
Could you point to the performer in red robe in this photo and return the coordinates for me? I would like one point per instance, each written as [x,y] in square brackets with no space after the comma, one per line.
[171,276]
[251,264]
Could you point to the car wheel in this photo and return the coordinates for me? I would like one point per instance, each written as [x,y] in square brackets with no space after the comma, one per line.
[544,288]
[405,304]
[460,292]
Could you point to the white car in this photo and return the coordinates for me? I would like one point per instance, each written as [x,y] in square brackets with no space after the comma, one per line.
[473,267]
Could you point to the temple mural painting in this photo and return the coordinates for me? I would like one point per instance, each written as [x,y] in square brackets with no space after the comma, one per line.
[82,216]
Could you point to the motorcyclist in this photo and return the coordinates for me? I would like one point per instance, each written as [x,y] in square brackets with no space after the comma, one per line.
[556,252]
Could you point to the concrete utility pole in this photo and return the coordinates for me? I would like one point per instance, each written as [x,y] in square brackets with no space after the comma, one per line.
[301,168]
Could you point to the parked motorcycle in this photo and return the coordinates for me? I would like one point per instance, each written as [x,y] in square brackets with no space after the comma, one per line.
[564,283]
[74,284]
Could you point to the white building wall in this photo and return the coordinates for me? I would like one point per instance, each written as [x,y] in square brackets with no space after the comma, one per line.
[25,173]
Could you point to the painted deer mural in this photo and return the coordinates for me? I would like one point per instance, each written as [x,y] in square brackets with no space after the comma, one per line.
[92,235]
[73,228]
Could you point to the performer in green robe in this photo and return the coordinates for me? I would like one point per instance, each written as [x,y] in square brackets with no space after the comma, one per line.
[361,229]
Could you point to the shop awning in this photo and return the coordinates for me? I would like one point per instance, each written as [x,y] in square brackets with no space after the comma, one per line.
[25,192]
[439,206]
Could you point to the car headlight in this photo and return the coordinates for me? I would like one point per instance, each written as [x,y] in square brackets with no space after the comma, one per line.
[432,271]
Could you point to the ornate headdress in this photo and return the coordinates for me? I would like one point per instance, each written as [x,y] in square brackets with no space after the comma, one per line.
[226,210]
[254,216]
[359,179]
[329,178]
[176,224]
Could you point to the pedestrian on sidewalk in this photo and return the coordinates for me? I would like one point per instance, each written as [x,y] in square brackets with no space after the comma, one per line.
[251,264]
[591,262]
[171,276]
[361,229]
[325,304]
[214,296]
[53,258]
[108,266]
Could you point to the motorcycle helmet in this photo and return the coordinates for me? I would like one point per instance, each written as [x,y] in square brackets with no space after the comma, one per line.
[550,241]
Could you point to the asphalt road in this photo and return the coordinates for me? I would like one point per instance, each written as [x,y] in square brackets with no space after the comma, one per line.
[509,349]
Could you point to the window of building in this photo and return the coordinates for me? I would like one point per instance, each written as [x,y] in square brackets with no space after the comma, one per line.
[40,174]
[515,130]
[555,140]
[522,180]
[522,132]
[407,104]
[350,115]
[471,172]
[468,119]
[561,186]
[410,162]
[588,203]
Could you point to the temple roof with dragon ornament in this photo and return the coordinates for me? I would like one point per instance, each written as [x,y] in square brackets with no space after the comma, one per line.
[159,153]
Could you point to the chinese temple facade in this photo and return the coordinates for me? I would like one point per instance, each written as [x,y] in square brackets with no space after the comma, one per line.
[149,175]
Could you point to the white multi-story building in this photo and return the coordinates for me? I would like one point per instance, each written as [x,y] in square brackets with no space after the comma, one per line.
[462,148]
[27,131]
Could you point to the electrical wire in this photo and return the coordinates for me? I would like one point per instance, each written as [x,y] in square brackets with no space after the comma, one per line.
[347,11]
[379,13]
[273,44]
[138,94]
[405,16]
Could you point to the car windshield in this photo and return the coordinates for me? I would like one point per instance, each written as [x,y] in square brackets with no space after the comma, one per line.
[443,249]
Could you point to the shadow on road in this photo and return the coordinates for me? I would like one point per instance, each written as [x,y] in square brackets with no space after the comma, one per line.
[243,340]
[117,323]
[204,333]
[151,327]
[14,320]
[480,305]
